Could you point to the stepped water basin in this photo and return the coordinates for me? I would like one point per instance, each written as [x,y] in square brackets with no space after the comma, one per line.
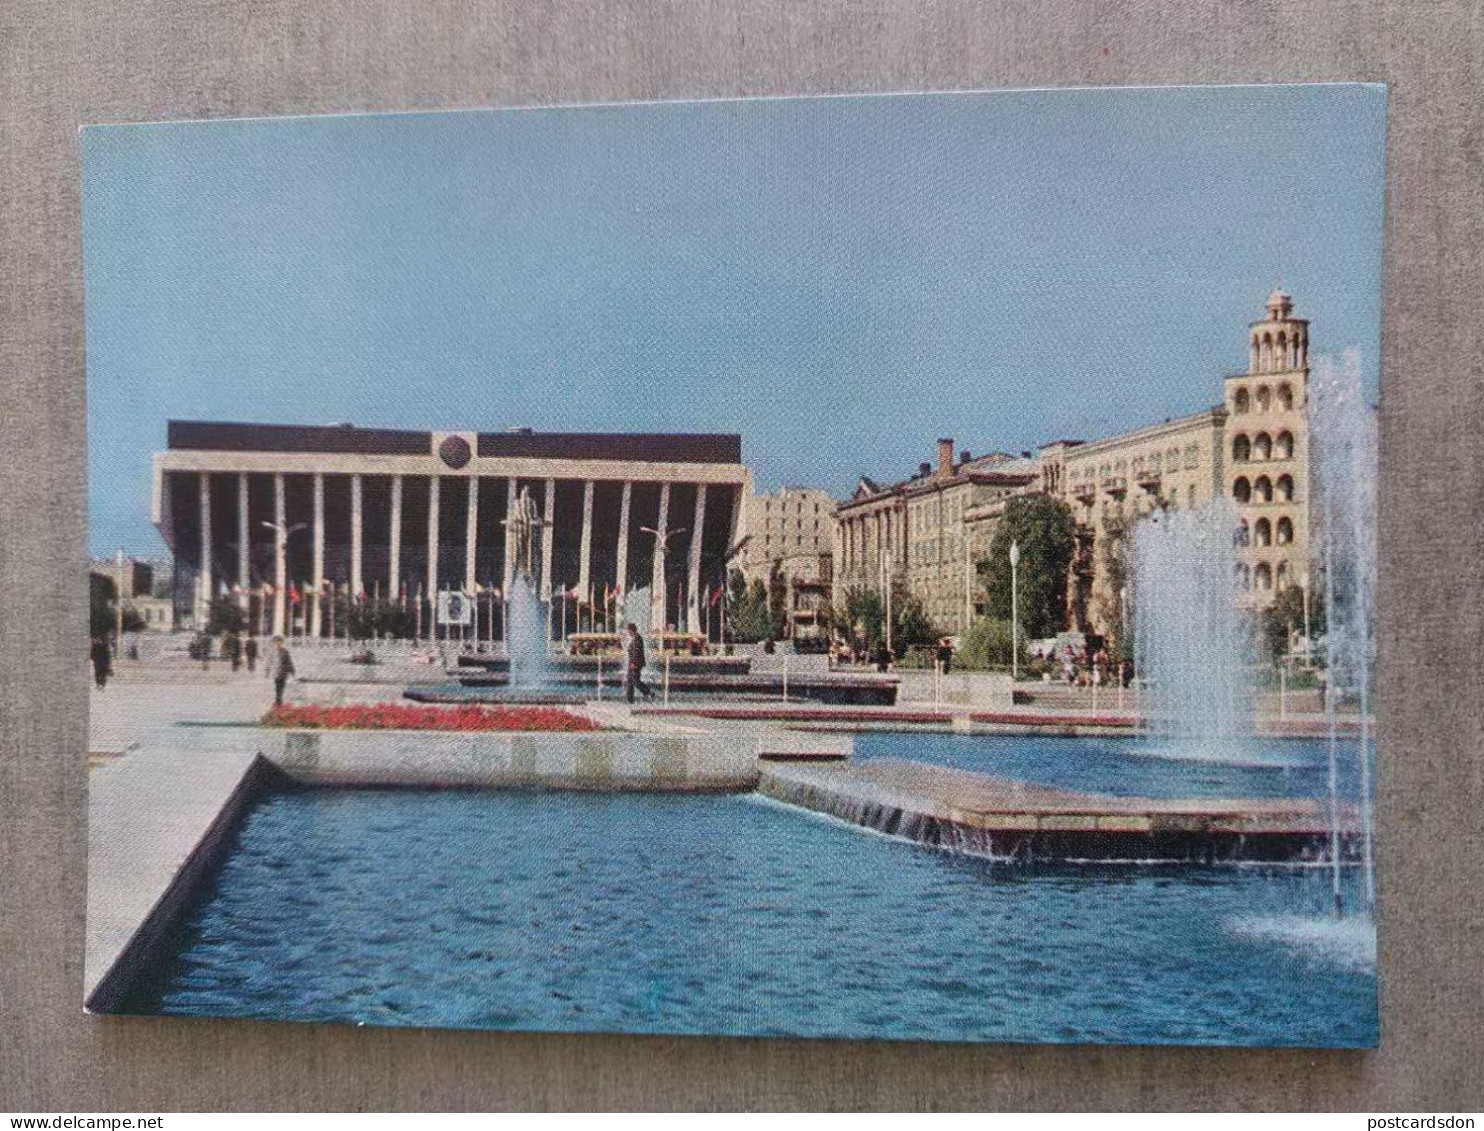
[1130,767]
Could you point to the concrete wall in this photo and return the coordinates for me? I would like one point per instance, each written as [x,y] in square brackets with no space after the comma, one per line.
[603,760]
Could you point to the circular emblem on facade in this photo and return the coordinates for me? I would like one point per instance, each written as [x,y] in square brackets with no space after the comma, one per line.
[454,451]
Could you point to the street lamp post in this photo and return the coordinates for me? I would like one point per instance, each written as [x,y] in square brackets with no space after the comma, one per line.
[662,547]
[1014,612]
[1308,639]
[1122,640]
[281,533]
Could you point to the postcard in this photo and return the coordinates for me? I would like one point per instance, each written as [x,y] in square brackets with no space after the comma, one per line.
[886,567]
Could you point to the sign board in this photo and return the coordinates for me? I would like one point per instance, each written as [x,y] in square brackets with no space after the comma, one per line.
[455,608]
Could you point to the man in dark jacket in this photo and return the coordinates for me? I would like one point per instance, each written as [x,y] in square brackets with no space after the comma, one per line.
[283,666]
[102,661]
[634,666]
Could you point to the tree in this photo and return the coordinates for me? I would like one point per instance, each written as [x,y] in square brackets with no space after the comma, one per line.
[862,616]
[1112,550]
[749,617]
[103,619]
[224,616]
[1045,531]
[1284,618]
[910,624]
[778,601]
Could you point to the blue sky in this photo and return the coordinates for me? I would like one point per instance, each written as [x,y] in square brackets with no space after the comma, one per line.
[840,280]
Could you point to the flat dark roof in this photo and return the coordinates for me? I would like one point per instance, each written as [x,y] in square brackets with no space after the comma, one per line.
[657,447]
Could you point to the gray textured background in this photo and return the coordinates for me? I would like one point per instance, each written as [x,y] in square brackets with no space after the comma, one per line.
[65,63]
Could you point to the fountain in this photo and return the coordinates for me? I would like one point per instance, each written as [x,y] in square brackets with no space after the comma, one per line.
[1342,429]
[1194,649]
[526,638]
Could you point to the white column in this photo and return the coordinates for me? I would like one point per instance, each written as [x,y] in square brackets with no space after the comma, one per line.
[471,535]
[623,539]
[317,609]
[280,556]
[432,539]
[244,542]
[657,566]
[585,554]
[509,537]
[548,537]
[204,586]
[357,577]
[395,566]
[693,605]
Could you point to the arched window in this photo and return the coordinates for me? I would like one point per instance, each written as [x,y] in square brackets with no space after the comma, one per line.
[1283,488]
[1267,352]
[1241,400]
[1241,448]
[1264,398]
[1256,356]
[1244,577]
[1281,576]
[1283,448]
[1284,531]
[1285,390]
[1282,355]
[1244,533]
[1262,490]
[1263,575]
[1262,446]
[1262,533]
[1242,490]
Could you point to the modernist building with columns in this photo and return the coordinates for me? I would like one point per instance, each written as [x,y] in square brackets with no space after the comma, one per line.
[274,508]
[928,531]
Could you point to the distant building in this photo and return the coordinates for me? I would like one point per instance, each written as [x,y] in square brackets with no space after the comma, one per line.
[275,515]
[917,532]
[928,531]
[790,541]
[790,524]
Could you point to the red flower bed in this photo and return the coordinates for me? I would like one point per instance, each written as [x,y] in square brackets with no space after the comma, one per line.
[405,716]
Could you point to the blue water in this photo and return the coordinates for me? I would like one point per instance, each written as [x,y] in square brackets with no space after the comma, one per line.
[1131,767]
[729,914]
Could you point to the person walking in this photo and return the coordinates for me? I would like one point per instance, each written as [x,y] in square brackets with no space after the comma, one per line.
[234,651]
[282,665]
[633,676]
[102,661]
[250,651]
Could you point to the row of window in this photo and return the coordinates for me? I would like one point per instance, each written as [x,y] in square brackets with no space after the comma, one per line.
[1263,399]
[1265,533]
[1262,446]
[1262,489]
[1273,354]
[1263,577]
[1157,463]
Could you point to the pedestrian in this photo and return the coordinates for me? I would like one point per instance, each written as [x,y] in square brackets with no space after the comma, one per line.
[250,651]
[633,676]
[102,661]
[282,665]
[883,657]
[234,651]
[945,654]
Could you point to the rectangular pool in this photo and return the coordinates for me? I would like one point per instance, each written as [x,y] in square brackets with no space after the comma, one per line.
[729,914]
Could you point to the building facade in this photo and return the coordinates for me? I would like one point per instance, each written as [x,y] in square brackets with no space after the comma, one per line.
[290,510]
[918,533]
[792,524]
[928,532]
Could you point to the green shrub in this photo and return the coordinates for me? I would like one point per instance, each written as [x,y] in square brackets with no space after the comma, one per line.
[987,645]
